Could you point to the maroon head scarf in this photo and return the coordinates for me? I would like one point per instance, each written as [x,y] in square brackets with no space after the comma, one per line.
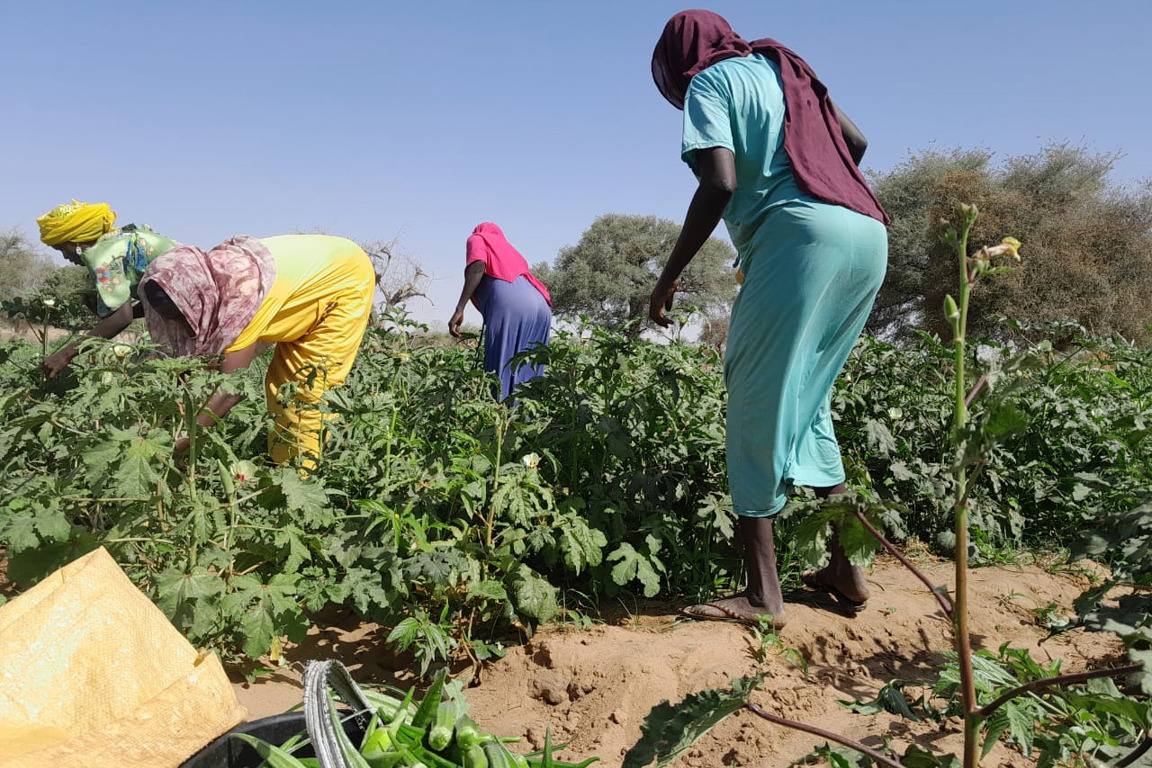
[695,40]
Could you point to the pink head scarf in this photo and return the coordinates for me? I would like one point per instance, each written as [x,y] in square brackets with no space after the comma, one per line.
[218,292]
[501,261]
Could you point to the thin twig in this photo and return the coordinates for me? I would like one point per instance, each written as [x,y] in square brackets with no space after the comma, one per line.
[1078,677]
[945,604]
[824,735]
[249,570]
[241,499]
[980,382]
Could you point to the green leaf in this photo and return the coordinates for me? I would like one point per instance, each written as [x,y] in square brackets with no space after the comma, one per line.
[18,528]
[273,755]
[432,697]
[1103,686]
[861,707]
[900,471]
[582,546]
[1143,678]
[136,473]
[857,541]
[669,730]
[492,590]
[98,458]
[264,610]
[31,565]
[890,698]
[811,537]
[190,599]
[289,491]
[288,538]
[918,757]
[25,525]
[633,565]
[1021,724]
[997,725]
[879,437]
[533,596]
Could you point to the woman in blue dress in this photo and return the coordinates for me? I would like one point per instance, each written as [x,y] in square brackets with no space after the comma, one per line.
[516,307]
[778,162]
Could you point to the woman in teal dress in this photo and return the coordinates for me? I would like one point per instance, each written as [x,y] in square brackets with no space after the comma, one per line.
[778,162]
[84,235]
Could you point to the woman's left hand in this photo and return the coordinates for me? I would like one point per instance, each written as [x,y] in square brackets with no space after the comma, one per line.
[661,301]
[455,321]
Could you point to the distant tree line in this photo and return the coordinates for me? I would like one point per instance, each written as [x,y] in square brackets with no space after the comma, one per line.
[1087,253]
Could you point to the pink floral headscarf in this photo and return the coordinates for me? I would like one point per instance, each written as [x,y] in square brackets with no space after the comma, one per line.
[218,292]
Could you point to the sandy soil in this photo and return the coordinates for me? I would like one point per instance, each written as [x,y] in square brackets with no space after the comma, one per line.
[594,686]
[19,329]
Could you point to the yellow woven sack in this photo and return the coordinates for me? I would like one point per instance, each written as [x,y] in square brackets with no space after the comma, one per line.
[93,674]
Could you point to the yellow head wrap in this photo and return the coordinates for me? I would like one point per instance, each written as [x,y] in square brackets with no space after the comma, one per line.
[75,223]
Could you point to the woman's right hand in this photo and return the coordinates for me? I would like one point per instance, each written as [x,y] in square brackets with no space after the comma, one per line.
[661,301]
[57,362]
[455,321]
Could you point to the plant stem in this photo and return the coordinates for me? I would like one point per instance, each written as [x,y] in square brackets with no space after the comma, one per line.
[1137,753]
[972,720]
[388,445]
[499,428]
[945,605]
[882,759]
[242,499]
[1077,677]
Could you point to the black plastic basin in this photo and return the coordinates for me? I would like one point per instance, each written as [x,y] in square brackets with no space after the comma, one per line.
[227,752]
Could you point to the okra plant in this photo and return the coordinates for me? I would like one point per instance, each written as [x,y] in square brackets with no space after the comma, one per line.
[669,730]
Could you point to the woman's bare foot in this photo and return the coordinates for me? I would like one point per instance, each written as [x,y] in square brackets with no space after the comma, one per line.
[845,582]
[738,608]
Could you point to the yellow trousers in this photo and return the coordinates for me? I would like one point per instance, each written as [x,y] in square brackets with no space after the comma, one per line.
[304,368]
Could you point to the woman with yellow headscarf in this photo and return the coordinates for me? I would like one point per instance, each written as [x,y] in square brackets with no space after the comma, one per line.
[116,258]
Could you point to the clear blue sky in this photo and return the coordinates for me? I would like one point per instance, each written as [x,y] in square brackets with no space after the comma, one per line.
[418,119]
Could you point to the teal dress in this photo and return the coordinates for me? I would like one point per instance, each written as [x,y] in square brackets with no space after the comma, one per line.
[810,272]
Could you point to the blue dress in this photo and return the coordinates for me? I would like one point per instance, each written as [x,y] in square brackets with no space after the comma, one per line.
[516,318]
[810,271]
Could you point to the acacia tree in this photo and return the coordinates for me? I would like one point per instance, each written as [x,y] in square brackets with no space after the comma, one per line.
[22,265]
[1089,241]
[610,273]
[399,277]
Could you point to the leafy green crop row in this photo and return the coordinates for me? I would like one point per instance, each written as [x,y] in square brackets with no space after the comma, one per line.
[452,518]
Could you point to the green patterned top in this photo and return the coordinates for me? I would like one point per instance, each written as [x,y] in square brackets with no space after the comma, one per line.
[118,260]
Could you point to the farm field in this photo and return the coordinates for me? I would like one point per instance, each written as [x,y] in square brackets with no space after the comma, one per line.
[543,549]
[594,685]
